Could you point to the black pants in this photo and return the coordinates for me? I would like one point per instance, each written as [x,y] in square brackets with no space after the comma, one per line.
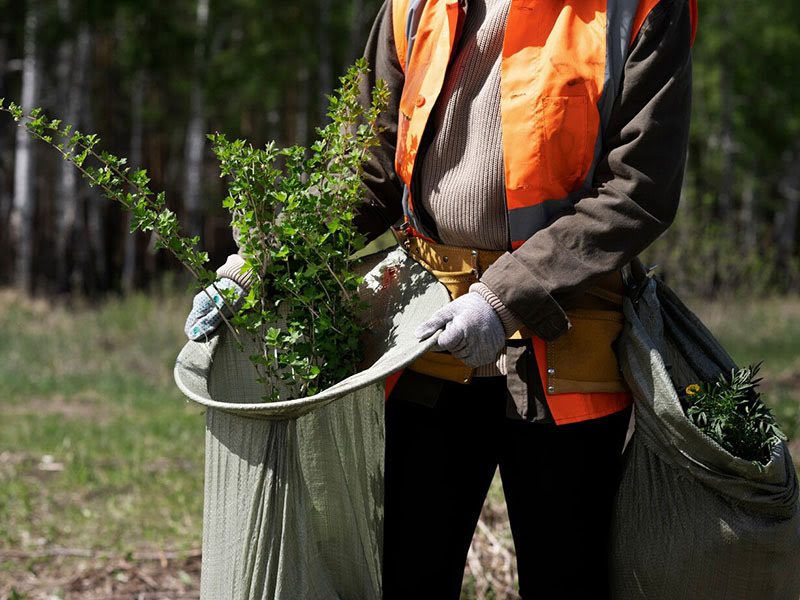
[558,482]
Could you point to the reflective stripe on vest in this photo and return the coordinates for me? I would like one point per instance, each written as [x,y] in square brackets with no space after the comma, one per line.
[561,68]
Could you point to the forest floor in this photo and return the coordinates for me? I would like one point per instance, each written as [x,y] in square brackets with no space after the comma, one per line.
[101,459]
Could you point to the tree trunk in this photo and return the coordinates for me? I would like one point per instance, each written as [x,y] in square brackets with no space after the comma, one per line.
[301,108]
[137,106]
[356,45]
[325,62]
[195,134]
[273,124]
[5,156]
[95,257]
[727,135]
[728,148]
[24,206]
[786,219]
[73,67]
[95,233]
[749,219]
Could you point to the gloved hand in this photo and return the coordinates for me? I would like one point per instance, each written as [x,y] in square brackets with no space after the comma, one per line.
[205,316]
[472,332]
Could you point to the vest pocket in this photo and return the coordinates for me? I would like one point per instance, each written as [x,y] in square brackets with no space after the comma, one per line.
[583,360]
[564,147]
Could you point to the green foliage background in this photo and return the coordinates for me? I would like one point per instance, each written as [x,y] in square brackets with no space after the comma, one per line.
[737,225]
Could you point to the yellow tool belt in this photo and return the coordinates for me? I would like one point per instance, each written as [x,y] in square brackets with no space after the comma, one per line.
[582,360]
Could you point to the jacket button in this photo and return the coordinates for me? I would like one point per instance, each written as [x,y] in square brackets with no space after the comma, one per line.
[551,371]
[551,388]
[420,100]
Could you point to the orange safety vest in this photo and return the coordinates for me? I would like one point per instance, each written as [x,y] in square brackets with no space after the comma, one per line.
[561,68]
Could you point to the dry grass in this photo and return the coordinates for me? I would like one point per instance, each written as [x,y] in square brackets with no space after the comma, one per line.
[491,572]
[64,573]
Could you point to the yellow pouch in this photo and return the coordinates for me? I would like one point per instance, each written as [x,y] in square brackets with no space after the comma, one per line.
[571,369]
[596,322]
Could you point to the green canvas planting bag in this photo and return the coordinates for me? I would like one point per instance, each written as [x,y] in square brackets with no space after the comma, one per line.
[692,521]
[293,505]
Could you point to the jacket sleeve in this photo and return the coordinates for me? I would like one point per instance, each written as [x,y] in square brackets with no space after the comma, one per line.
[636,185]
[383,190]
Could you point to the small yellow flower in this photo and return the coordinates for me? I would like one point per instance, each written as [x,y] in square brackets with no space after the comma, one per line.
[692,389]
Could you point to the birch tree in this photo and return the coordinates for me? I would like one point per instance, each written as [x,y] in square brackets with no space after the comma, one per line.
[5,197]
[91,243]
[786,219]
[24,205]
[137,119]
[195,133]
[73,66]
[325,59]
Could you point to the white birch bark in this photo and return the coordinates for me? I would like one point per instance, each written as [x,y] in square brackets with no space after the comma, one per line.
[24,204]
[95,257]
[94,261]
[137,107]
[5,155]
[73,67]
[65,198]
[195,133]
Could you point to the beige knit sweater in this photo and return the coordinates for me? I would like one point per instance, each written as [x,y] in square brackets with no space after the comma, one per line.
[462,184]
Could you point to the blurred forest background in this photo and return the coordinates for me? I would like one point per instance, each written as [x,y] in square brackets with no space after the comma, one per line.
[101,460]
[153,77]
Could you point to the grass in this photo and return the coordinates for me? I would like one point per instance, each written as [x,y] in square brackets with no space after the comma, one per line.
[98,449]
[100,453]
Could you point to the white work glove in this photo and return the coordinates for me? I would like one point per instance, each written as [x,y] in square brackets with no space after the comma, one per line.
[472,332]
[205,316]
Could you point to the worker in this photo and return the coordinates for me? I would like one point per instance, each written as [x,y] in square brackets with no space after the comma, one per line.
[531,149]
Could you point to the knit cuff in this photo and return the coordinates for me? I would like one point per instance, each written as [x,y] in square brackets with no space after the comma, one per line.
[511,322]
[526,297]
[232,269]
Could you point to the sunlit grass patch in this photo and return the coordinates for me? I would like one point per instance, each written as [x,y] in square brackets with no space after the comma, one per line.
[98,449]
